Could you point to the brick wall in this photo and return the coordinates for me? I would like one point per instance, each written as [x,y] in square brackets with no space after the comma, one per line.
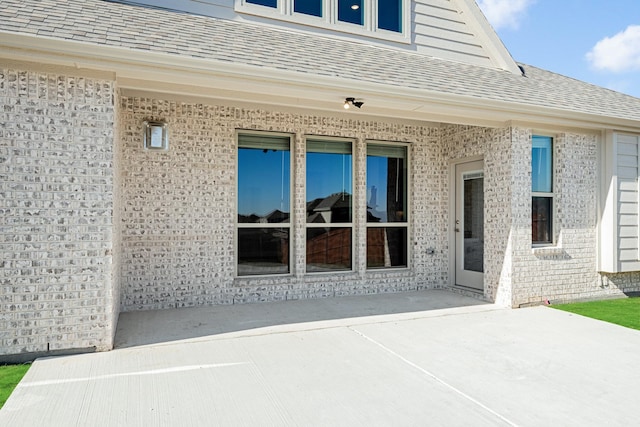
[56,230]
[178,208]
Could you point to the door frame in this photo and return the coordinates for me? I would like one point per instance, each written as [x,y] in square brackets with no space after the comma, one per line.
[452,218]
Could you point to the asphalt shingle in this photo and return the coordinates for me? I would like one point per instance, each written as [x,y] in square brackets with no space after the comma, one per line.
[185,35]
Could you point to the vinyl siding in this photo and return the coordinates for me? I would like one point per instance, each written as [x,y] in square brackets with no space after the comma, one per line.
[439,30]
[628,232]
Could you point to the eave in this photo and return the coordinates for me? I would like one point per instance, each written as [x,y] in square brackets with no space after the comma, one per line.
[138,71]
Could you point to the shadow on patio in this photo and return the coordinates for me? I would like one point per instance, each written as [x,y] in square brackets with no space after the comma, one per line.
[215,322]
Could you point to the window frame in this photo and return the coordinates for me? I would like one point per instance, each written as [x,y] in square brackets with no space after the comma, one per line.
[329,20]
[290,225]
[350,225]
[548,195]
[406,224]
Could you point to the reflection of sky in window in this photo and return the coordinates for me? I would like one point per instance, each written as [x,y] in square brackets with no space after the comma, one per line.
[377,174]
[390,15]
[328,174]
[541,164]
[263,181]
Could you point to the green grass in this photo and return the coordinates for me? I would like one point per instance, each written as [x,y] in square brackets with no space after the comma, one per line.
[10,376]
[624,312]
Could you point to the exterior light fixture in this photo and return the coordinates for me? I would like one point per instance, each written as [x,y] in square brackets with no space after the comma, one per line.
[156,136]
[348,102]
[355,6]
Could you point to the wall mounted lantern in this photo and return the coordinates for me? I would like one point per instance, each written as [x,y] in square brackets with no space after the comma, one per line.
[156,135]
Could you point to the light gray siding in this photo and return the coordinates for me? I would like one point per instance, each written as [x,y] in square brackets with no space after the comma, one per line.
[627,202]
[440,30]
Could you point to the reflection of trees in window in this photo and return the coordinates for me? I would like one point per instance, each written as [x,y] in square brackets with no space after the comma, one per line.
[386,206]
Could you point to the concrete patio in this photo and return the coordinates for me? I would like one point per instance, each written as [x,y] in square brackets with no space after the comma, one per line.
[422,358]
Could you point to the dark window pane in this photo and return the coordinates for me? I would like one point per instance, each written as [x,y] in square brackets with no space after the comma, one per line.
[390,15]
[263,179]
[329,182]
[308,7]
[386,184]
[386,247]
[542,164]
[474,224]
[328,249]
[541,220]
[351,11]
[269,3]
[263,251]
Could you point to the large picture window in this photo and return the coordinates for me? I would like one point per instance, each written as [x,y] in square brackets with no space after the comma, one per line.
[264,204]
[387,235]
[542,190]
[329,197]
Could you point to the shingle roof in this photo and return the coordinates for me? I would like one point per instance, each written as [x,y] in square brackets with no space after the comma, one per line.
[180,34]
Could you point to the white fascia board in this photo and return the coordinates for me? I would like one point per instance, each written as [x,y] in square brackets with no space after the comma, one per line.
[153,71]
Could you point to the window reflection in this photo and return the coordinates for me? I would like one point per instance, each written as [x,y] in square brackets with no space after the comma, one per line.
[386,247]
[329,182]
[263,251]
[351,11]
[541,164]
[263,179]
[386,184]
[268,3]
[308,7]
[328,249]
[541,219]
[264,199]
[390,15]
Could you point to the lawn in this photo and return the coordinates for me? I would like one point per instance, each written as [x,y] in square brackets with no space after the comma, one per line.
[625,312]
[10,376]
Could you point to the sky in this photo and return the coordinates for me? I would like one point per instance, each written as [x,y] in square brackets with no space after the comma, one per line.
[596,41]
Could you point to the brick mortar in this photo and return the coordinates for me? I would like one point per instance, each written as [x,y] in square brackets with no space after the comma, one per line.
[56,182]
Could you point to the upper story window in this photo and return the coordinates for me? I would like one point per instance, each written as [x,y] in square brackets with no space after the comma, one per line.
[386,19]
[542,190]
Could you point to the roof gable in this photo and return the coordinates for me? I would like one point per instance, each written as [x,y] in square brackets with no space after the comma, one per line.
[449,29]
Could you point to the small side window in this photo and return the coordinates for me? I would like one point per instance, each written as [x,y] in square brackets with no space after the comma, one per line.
[542,190]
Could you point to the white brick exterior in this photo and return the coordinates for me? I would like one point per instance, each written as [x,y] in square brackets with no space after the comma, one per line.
[93,224]
[57,283]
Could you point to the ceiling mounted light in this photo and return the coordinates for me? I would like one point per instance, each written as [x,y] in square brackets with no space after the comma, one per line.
[348,102]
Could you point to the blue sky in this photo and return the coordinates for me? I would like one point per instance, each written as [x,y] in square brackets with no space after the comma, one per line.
[597,41]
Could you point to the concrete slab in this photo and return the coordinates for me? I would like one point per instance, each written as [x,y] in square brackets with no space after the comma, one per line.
[378,364]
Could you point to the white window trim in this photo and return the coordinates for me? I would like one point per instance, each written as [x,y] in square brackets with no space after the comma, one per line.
[551,195]
[405,224]
[329,20]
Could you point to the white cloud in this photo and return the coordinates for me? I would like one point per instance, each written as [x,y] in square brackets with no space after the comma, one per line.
[504,13]
[618,53]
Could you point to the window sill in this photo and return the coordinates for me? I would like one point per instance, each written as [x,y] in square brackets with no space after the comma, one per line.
[549,251]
